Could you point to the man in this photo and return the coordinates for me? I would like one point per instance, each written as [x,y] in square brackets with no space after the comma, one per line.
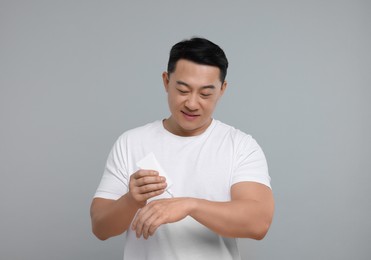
[217,186]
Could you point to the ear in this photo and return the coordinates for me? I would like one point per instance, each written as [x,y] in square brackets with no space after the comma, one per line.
[223,88]
[165,79]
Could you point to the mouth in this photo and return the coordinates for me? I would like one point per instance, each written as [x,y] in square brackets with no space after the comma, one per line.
[189,115]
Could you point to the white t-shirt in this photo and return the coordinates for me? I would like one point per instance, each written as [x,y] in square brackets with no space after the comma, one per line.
[203,166]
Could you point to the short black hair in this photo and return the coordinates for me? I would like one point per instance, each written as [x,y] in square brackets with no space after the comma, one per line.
[201,51]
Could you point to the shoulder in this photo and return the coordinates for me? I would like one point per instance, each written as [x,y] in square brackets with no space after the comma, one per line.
[139,132]
[241,141]
[233,133]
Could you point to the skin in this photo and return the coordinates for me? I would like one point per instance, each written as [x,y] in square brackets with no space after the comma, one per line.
[112,217]
[193,92]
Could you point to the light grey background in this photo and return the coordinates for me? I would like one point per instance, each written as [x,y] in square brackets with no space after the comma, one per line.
[75,74]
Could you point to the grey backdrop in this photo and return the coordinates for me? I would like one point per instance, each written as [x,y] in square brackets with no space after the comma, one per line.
[75,74]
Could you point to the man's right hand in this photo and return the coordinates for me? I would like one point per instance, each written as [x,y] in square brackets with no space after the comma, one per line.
[145,184]
[112,217]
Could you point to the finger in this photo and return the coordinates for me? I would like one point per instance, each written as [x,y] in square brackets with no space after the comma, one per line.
[135,221]
[154,227]
[145,222]
[149,180]
[140,216]
[152,187]
[142,173]
[150,226]
[149,195]
[137,225]
[138,194]
[154,223]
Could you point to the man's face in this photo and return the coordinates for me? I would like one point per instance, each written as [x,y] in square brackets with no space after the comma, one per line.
[193,92]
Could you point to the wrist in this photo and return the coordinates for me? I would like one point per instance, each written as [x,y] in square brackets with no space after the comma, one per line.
[132,202]
[193,204]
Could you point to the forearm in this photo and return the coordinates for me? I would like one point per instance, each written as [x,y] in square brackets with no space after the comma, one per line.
[237,218]
[248,214]
[112,217]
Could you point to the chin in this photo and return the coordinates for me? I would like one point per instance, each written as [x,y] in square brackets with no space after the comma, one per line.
[192,128]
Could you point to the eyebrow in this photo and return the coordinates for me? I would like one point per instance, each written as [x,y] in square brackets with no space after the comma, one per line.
[179,82]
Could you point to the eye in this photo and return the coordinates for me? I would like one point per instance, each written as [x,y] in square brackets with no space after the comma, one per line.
[183,91]
[205,95]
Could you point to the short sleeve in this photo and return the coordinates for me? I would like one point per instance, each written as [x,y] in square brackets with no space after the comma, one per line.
[114,182]
[250,164]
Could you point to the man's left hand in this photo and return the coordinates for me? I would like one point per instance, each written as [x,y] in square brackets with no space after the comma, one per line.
[159,212]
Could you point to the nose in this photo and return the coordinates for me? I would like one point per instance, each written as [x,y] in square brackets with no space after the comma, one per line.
[191,102]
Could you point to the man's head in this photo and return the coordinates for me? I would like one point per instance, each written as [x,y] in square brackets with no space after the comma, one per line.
[195,81]
[200,51]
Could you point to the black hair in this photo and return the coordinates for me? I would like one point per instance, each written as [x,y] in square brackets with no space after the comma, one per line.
[201,51]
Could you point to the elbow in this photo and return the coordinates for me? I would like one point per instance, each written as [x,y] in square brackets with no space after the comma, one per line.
[103,232]
[98,230]
[259,235]
[261,231]
[101,238]
[262,225]
[99,234]
[257,231]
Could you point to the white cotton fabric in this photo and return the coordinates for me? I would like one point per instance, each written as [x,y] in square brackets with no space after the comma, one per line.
[203,166]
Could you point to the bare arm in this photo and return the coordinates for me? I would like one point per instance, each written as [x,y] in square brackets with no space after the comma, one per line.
[113,217]
[248,214]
